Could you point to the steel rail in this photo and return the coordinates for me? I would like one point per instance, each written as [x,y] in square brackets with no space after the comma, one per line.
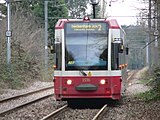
[56,112]
[25,94]
[131,75]
[101,111]
[25,104]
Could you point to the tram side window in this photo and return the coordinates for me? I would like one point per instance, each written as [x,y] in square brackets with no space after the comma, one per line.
[58,57]
[114,56]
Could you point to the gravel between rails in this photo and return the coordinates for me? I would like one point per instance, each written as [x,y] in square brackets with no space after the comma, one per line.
[77,114]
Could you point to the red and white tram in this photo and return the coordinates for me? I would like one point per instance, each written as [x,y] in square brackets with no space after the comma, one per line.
[90,59]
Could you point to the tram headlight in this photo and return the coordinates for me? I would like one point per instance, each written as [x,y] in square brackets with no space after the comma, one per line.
[69,82]
[102,81]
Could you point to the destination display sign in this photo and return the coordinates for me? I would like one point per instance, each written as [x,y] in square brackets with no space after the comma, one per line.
[83,27]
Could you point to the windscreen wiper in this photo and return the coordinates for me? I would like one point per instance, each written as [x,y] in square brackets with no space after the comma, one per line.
[83,73]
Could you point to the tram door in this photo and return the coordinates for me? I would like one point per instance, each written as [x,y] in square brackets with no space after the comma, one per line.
[58,68]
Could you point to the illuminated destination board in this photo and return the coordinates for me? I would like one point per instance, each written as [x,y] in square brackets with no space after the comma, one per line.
[89,27]
[97,27]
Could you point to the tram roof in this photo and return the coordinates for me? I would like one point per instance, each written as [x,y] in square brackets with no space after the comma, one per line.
[113,24]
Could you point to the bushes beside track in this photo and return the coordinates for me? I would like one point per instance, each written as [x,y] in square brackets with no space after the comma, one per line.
[154,82]
[22,70]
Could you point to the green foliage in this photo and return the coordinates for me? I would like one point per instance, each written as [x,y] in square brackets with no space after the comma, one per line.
[151,95]
[38,9]
[22,69]
[10,77]
[3,9]
[154,81]
[56,9]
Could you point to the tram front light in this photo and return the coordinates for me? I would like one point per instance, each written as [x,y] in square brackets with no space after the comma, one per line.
[69,82]
[86,18]
[102,82]
[54,66]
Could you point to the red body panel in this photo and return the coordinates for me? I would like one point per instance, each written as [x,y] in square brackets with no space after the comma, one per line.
[111,89]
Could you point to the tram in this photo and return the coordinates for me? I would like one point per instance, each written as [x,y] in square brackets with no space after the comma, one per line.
[90,59]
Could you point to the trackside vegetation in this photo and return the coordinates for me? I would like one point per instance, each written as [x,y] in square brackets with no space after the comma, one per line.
[154,81]
[27,41]
[20,72]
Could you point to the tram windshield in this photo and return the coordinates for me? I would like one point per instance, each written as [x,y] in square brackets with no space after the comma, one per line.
[86,46]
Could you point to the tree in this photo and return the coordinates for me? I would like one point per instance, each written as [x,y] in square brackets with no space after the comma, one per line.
[149,18]
[56,9]
[76,8]
[136,38]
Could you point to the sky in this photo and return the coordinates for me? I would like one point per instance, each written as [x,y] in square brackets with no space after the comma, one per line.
[126,10]
[2,1]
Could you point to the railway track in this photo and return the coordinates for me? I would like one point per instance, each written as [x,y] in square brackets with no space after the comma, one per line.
[100,113]
[65,108]
[25,94]
[132,73]
[56,112]
[17,97]
[53,114]
[68,110]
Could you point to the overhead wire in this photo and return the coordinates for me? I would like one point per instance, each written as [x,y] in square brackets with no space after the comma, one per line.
[150,42]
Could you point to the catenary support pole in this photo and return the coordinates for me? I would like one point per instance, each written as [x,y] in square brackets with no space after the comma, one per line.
[46,38]
[8,32]
[149,37]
